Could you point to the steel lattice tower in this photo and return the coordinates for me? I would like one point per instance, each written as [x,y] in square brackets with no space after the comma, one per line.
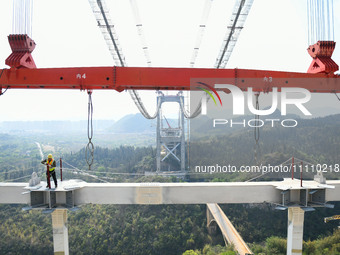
[172,139]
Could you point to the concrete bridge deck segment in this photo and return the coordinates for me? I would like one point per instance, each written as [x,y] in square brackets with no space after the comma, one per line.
[173,193]
[287,194]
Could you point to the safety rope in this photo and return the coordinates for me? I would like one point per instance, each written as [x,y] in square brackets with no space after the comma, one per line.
[83,172]
[15,171]
[89,151]
[265,173]
[19,178]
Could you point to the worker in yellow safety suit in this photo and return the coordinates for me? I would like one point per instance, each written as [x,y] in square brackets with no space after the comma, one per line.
[52,165]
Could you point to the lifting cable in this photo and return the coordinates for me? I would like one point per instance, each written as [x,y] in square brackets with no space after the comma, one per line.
[22,17]
[89,151]
[257,129]
[320,19]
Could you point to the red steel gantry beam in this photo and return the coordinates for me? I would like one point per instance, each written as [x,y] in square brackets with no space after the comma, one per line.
[148,78]
[23,74]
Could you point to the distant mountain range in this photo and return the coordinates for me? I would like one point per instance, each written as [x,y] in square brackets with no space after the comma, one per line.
[54,126]
[133,123]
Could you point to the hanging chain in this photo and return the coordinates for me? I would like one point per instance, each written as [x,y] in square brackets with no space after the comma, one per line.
[89,151]
[1,93]
[337,96]
[257,129]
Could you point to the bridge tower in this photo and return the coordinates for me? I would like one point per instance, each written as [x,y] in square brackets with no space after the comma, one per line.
[170,139]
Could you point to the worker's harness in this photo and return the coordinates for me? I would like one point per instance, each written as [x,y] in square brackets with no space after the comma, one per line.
[50,165]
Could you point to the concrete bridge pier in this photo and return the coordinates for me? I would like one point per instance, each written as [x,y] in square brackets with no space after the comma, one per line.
[211,223]
[60,232]
[296,218]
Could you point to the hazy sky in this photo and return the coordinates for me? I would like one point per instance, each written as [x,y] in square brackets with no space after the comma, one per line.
[66,34]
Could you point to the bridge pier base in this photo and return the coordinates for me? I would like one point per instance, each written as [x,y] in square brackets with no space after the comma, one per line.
[60,232]
[295,230]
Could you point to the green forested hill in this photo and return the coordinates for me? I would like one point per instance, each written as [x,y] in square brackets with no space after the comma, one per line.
[316,141]
[114,229]
[18,157]
[174,229]
[155,229]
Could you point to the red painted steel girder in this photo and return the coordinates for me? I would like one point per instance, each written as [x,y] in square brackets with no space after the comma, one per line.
[148,78]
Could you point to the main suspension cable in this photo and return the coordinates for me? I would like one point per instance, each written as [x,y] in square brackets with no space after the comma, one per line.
[239,15]
[107,28]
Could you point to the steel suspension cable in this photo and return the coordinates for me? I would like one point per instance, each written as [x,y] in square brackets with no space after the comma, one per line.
[239,15]
[133,93]
[320,15]
[101,13]
[138,102]
[22,17]
[308,21]
[200,35]
[240,12]
[194,114]
[140,31]
[333,18]
[111,32]
[201,31]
